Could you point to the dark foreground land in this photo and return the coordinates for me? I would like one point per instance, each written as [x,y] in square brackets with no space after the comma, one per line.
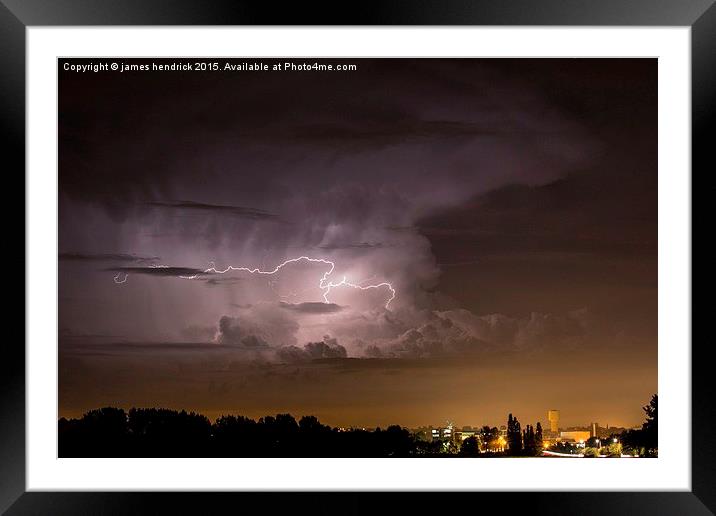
[112,432]
[139,432]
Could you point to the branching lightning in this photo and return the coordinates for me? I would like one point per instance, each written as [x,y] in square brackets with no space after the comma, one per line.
[324,284]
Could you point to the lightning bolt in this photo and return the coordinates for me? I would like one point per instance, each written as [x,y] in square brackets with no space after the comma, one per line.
[324,283]
[120,281]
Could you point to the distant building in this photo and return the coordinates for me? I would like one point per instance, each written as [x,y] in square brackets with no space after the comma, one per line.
[461,435]
[442,433]
[594,431]
[553,417]
[576,436]
[447,433]
[609,430]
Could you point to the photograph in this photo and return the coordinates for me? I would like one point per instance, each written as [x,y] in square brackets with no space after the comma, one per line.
[274,257]
[357,257]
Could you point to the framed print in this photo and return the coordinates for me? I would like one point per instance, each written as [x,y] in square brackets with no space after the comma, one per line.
[428,248]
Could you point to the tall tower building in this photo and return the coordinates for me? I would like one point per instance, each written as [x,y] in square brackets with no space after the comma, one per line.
[553,417]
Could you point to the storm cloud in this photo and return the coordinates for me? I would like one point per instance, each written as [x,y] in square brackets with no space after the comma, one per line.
[327,348]
[258,326]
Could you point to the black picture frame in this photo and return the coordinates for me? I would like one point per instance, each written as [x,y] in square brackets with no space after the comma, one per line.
[17,15]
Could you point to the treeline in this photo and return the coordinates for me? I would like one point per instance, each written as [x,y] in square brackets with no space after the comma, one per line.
[113,432]
[139,432]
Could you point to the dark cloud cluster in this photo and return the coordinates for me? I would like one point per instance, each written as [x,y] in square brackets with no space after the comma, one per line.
[258,326]
[359,245]
[235,211]
[403,335]
[462,333]
[252,148]
[225,281]
[160,271]
[316,307]
[106,257]
[327,348]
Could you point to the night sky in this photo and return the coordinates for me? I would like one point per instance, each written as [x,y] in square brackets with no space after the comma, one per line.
[510,203]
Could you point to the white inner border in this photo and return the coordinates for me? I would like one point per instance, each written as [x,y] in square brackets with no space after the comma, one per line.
[671,471]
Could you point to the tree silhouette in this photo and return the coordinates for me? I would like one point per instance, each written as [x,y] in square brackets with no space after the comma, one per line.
[644,441]
[236,435]
[88,436]
[528,439]
[168,433]
[650,426]
[470,447]
[514,436]
[539,443]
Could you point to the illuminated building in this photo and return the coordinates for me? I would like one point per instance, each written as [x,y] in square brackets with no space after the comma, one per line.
[441,434]
[447,432]
[577,436]
[461,435]
[553,417]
